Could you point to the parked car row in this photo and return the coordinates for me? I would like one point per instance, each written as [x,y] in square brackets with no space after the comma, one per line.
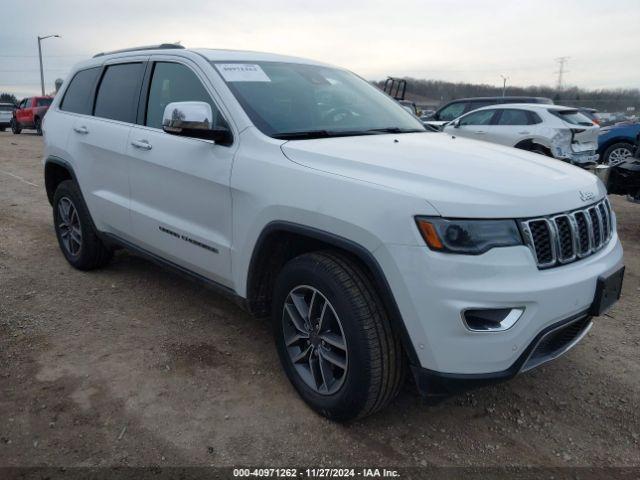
[28,114]
[461,106]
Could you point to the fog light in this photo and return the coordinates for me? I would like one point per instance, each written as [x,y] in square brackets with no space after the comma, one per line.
[491,319]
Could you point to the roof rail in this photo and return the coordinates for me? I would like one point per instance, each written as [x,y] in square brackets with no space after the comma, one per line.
[162,46]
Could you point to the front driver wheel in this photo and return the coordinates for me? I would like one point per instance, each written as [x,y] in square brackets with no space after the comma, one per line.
[76,235]
[334,337]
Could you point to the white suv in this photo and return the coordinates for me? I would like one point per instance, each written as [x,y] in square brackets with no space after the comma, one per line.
[313,198]
[560,132]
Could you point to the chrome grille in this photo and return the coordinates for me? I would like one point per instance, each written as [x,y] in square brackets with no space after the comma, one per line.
[564,238]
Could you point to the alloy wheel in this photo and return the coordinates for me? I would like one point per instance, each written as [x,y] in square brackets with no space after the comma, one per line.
[69,226]
[619,155]
[315,340]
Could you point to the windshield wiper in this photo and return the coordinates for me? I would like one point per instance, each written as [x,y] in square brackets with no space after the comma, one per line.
[309,134]
[396,130]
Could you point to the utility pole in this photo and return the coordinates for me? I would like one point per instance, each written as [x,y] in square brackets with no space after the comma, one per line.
[504,84]
[562,61]
[40,57]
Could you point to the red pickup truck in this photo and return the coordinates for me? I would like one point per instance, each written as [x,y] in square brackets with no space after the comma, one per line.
[30,113]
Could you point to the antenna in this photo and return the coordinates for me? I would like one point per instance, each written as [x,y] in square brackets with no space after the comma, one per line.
[562,61]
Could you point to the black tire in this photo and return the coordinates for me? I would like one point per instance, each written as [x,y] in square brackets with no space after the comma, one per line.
[617,147]
[38,125]
[89,253]
[2,129]
[375,362]
[15,127]
[540,150]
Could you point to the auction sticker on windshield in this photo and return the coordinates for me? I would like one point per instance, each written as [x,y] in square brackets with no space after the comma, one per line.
[242,72]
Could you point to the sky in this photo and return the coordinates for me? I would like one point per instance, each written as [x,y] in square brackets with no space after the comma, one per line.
[456,40]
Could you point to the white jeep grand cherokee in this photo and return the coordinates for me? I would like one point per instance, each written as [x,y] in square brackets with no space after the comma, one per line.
[304,192]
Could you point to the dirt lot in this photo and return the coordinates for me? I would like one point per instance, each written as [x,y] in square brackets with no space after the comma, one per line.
[132,365]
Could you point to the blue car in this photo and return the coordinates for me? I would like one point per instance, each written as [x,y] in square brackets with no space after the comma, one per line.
[617,142]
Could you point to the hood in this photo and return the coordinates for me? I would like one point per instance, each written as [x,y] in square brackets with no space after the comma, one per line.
[458,177]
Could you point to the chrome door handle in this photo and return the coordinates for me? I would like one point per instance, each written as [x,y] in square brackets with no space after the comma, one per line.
[141,144]
[480,132]
[82,130]
[523,133]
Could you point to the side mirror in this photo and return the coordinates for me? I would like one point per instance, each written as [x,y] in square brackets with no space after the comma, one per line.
[454,123]
[193,119]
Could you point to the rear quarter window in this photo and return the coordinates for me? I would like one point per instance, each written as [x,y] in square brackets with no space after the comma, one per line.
[574,117]
[78,96]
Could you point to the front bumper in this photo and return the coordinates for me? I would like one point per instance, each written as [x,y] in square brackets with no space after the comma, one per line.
[548,344]
[432,289]
[580,159]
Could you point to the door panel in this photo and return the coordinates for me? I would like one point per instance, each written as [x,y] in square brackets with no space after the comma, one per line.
[476,125]
[181,201]
[98,146]
[180,195]
[512,126]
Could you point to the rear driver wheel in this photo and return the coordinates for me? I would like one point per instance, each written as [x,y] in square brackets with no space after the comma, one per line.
[76,235]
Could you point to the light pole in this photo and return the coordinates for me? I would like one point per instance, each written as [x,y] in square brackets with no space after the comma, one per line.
[40,57]
[504,84]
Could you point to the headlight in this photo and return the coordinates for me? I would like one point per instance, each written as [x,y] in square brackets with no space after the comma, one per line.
[471,237]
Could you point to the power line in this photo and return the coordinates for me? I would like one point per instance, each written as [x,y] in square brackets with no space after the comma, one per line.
[562,61]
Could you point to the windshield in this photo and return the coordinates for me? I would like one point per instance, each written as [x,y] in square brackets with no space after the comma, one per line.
[289,100]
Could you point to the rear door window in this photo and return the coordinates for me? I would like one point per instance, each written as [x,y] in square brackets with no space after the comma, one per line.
[514,117]
[78,97]
[119,91]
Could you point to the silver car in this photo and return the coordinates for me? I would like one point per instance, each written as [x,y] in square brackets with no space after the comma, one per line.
[556,131]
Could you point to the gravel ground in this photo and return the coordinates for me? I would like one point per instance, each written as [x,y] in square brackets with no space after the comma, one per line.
[135,366]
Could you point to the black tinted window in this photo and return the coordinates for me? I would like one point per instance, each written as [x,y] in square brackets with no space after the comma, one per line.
[475,105]
[43,102]
[534,118]
[173,82]
[77,98]
[514,117]
[452,111]
[118,93]
[483,117]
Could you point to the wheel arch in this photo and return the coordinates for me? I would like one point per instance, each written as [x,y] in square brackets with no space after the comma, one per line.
[57,170]
[612,141]
[281,241]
